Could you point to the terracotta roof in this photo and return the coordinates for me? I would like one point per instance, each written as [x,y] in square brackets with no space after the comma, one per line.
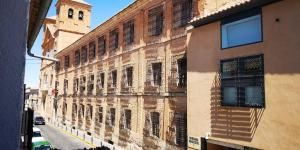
[227,10]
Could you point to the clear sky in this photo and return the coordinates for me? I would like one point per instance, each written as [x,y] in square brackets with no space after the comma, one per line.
[101,11]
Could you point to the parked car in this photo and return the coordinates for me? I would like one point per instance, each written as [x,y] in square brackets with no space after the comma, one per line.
[38,141]
[39,120]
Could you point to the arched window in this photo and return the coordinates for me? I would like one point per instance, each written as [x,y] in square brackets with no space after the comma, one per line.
[70,13]
[80,15]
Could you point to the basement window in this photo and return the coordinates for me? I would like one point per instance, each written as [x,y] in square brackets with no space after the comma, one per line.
[155,123]
[128,35]
[92,51]
[70,13]
[242,82]
[155,21]
[114,39]
[156,73]
[101,45]
[182,12]
[242,29]
[77,57]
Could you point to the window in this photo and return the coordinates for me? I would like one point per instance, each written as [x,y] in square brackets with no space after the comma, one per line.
[181,129]
[182,70]
[242,81]
[75,85]
[57,66]
[82,84]
[91,84]
[127,119]
[156,67]
[155,123]
[114,39]
[101,45]
[67,61]
[70,13]
[65,86]
[100,114]
[155,21]
[84,54]
[182,12]
[81,111]
[129,71]
[77,57]
[102,80]
[112,116]
[114,78]
[92,51]
[90,111]
[80,15]
[242,29]
[128,35]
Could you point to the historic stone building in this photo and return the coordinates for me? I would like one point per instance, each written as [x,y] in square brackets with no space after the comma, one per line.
[125,81]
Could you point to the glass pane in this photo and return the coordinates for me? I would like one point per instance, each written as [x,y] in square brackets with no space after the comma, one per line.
[229,95]
[253,95]
[241,32]
[229,69]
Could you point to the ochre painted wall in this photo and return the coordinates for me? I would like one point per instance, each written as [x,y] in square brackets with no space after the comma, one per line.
[277,126]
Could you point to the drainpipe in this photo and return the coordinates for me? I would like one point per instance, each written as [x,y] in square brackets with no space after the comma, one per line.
[41,57]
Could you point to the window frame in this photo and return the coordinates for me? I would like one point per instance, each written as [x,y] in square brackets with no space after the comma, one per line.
[160,78]
[67,61]
[153,13]
[129,32]
[70,16]
[189,12]
[240,81]
[80,17]
[240,16]
[101,50]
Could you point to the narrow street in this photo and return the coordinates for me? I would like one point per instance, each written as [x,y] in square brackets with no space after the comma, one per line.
[61,140]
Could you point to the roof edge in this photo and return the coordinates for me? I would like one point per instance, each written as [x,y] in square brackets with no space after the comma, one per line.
[234,10]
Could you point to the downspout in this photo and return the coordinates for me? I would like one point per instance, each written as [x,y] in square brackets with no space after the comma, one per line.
[45,4]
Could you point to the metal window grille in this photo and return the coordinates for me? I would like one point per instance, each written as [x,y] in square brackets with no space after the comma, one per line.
[155,123]
[128,119]
[156,72]
[114,39]
[75,85]
[80,15]
[155,21]
[65,86]
[128,33]
[112,116]
[91,84]
[77,57]
[84,54]
[181,129]
[129,73]
[70,13]
[101,45]
[82,84]
[240,74]
[57,66]
[92,51]
[182,72]
[67,61]
[114,78]
[182,12]
[100,114]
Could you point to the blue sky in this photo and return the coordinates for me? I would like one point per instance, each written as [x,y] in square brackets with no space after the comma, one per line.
[101,11]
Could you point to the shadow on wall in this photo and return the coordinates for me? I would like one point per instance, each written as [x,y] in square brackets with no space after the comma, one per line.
[237,123]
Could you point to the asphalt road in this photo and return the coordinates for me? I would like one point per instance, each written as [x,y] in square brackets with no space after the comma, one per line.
[61,140]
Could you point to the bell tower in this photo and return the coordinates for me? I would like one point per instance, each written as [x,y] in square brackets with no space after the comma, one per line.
[73,21]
